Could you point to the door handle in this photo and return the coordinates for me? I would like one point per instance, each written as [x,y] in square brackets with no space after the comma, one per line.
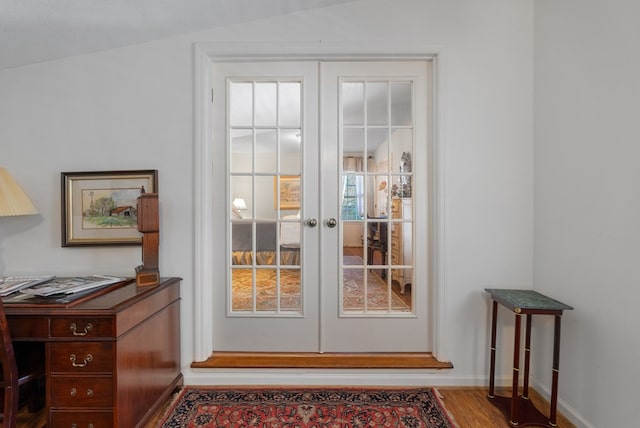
[331,222]
[312,222]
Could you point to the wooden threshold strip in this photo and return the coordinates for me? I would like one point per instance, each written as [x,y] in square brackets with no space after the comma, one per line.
[321,361]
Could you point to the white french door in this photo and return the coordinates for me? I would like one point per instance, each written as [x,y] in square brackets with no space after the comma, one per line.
[323,246]
[265,115]
[375,111]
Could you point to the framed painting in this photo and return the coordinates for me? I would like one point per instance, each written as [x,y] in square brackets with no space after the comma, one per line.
[100,208]
[288,192]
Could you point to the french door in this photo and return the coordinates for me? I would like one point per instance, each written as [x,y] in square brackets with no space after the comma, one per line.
[323,246]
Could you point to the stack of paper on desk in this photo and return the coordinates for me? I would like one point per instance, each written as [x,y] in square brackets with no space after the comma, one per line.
[71,285]
[11,284]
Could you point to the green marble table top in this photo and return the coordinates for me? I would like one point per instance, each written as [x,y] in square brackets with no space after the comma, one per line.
[526,301]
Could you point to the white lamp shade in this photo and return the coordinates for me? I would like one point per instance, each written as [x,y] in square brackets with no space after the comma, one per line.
[13,200]
[239,204]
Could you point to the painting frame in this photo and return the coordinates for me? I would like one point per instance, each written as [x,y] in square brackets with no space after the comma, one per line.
[288,193]
[88,196]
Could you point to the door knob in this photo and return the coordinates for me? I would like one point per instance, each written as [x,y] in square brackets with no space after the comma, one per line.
[332,222]
[312,222]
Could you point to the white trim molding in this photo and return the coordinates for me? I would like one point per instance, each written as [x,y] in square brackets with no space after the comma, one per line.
[203,183]
[205,54]
[325,377]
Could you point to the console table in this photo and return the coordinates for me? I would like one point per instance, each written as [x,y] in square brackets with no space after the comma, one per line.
[518,410]
[112,358]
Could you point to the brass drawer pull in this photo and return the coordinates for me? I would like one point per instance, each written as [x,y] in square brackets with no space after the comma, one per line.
[73,327]
[86,360]
[74,392]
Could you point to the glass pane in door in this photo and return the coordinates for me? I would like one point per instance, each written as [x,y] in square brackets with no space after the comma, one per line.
[265,196]
[376,128]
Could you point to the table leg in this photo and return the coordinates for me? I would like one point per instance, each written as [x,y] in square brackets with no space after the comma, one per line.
[556,365]
[515,403]
[492,370]
[527,356]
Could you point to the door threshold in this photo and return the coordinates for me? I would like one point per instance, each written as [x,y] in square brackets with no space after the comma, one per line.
[307,360]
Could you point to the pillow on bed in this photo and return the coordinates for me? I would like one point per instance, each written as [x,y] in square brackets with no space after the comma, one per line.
[290,231]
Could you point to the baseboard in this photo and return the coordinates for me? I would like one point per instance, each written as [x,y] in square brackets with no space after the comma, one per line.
[333,377]
[568,411]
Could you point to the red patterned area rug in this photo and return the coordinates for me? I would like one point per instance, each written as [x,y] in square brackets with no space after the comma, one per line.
[208,407]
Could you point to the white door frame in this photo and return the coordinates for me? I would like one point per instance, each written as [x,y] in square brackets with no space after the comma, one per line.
[207,53]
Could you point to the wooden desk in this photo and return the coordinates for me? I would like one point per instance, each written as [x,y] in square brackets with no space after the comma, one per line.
[518,409]
[111,359]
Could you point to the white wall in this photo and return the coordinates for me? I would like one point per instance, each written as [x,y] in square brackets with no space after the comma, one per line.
[132,108]
[587,201]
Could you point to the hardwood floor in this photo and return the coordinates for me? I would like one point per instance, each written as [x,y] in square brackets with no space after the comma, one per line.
[468,407]
[31,420]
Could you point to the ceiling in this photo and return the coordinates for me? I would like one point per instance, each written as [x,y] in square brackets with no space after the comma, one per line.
[33,31]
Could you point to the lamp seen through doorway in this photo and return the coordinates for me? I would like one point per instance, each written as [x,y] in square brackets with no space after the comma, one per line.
[238,205]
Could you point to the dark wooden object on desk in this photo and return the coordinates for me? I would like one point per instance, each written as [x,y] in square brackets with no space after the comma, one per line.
[113,359]
[149,225]
[518,409]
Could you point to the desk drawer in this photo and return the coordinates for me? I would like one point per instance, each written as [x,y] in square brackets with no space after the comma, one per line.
[79,419]
[28,327]
[82,327]
[81,357]
[81,392]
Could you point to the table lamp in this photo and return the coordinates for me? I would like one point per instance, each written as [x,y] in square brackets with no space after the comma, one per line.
[238,205]
[13,200]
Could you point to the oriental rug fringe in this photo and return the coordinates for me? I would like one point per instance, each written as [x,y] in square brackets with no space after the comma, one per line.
[208,407]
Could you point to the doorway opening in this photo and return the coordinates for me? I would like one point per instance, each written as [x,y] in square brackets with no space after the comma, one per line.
[363,240]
